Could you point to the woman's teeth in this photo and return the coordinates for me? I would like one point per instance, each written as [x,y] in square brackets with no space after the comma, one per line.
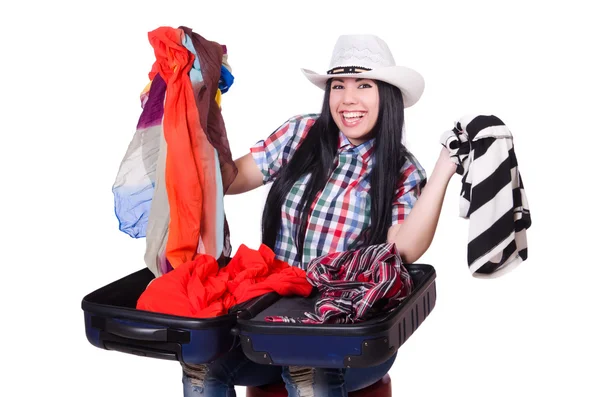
[351,116]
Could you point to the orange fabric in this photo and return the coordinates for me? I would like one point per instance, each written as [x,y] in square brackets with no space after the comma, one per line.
[200,289]
[184,176]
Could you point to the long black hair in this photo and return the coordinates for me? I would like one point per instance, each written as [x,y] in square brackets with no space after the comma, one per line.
[316,155]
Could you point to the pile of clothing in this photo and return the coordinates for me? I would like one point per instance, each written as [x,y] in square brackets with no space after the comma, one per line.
[355,285]
[199,288]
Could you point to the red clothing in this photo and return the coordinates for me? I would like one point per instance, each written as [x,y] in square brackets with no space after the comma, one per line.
[189,168]
[198,288]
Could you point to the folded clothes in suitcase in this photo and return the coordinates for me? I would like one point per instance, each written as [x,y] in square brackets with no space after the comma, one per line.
[112,322]
[363,344]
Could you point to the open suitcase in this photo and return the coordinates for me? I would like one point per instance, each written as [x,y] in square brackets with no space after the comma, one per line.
[112,322]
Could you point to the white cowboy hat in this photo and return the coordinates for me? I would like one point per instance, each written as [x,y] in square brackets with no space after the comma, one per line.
[369,57]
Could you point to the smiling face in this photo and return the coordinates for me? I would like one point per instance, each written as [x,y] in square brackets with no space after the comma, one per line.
[354,105]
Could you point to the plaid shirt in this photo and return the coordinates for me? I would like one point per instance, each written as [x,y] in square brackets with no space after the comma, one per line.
[355,286]
[342,209]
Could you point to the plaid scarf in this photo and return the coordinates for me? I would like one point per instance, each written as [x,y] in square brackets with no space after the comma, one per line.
[355,285]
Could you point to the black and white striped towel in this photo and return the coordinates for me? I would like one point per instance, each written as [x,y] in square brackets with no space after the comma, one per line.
[492,195]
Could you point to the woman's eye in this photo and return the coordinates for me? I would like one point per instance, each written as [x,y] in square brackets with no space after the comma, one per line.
[365,85]
[337,87]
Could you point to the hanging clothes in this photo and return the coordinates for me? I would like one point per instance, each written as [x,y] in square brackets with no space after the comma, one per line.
[134,185]
[492,196]
[355,285]
[192,122]
[200,289]
[184,86]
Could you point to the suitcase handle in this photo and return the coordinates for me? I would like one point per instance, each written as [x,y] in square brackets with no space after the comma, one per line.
[140,333]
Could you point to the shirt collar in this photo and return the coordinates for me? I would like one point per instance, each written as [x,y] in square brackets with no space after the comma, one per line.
[365,149]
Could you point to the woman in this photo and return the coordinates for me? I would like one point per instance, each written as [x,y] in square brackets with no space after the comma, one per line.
[341,180]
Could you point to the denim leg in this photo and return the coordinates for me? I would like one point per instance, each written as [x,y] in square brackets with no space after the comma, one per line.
[218,378]
[331,382]
[299,381]
[199,380]
[314,382]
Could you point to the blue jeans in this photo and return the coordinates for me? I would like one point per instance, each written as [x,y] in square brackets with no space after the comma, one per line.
[332,382]
[234,368]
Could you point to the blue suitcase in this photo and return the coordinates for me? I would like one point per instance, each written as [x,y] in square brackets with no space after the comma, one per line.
[113,323]
[363,344]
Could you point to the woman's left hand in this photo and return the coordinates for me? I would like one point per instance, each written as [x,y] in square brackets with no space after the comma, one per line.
[445,163]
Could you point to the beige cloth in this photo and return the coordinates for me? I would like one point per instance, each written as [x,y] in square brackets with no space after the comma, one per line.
[157,230]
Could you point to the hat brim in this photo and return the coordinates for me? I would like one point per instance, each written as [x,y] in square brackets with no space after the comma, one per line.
[409,81]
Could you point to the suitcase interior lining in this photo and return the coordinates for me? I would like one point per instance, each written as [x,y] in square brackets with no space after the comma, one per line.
[124,292]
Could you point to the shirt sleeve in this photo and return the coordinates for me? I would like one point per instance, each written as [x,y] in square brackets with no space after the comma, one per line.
[412,181]
[274,152]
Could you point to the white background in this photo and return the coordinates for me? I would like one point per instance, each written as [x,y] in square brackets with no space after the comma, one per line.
[71,78]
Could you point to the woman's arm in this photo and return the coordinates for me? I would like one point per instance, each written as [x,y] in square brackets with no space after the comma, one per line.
[248,177]
[415,234]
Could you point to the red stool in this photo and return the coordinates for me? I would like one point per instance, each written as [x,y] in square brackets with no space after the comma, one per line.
[381,388]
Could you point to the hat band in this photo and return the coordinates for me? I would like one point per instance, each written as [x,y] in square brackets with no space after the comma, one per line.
[347,69]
